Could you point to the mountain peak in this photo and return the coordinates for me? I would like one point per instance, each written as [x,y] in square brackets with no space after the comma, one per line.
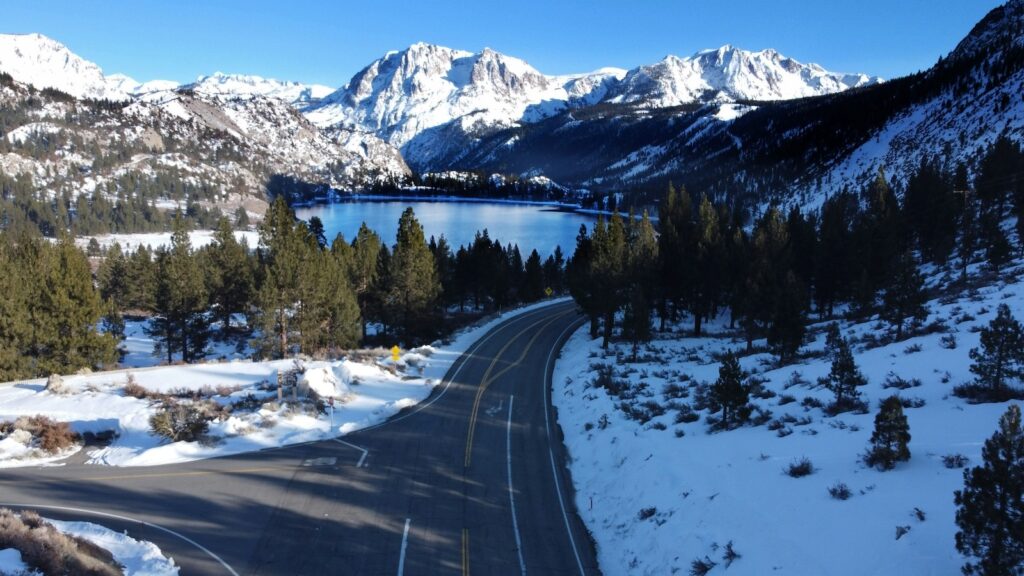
[43,62]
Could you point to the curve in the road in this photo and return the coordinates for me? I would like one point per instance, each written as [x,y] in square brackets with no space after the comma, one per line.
[415,502]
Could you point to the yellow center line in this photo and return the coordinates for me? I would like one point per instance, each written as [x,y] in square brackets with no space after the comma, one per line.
[487,379]
[180,474]
[465,552]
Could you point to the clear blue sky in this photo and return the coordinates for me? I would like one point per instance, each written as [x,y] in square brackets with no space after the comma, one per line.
[328,41]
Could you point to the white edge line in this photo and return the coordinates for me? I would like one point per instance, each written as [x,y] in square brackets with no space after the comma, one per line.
[511,493]
[127,519]
[405,545]
[547,425]
[350,445]
[465,354]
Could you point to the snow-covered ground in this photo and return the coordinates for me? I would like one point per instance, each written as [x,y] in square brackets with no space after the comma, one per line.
[369,389]
[660,494]
[138,557]
[154,240]
[11,562]
[138,346]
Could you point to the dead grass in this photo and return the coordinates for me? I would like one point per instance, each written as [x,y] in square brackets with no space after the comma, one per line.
[50,436]
[52,552]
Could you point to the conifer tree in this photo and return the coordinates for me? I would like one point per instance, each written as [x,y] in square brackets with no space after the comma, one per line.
[890,437]
[112,277]
[533,278]
[730,394]
[636,322]
[905,298]
[787,322]
[229,279]
[990,508]
[66,335]
[578,278]
[414,286]
[708,258]
[608,269]
[286,247]
[15,323]
[365,251]
[180,324]
[844,378]
[142,284]
[1000,360]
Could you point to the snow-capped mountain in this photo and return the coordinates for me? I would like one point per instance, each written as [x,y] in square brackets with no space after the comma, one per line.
[433,101]
[45,63]
[729,74]
[240,85]
[131,87]
[425,86]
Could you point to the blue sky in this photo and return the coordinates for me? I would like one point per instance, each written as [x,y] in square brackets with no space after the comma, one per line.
[328,41]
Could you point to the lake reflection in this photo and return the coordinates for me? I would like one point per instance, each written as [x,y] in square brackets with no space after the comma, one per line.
[531,227]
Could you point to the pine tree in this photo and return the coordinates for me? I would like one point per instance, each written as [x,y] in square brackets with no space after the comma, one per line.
[1001,357]
[533,278]
[180,324]
[844,378]
[112,277]
[414,285]
[730,394]
[906,296]
[890,437]
[709,257]
[787,323]
[608,269]
[636,322]
[365,251]
[15,322]
[229,279]
[990,508]
[142,280]
[66,335]
[578,278]
[286,245]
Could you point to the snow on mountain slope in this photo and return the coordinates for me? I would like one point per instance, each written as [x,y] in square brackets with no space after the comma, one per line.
[658,490]
[240,85]
[435,102]
[425,86]
[957,124]
[121,83]
[45,63]
[730,73]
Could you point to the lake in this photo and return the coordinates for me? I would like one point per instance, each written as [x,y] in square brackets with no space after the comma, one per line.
[529,226]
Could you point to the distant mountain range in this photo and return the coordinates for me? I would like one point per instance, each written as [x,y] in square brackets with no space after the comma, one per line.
[728,121]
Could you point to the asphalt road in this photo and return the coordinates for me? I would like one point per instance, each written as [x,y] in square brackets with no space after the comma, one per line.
[471,481]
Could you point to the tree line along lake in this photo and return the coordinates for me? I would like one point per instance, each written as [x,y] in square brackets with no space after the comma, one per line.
[530,226]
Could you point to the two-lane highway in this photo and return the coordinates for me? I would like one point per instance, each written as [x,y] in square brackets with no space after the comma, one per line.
[471,481]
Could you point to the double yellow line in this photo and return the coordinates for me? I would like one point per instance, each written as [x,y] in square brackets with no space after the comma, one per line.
[488,378]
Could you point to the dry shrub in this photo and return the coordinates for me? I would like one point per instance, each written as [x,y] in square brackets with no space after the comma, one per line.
[52,552]
[135,390]
[52,436]
[179,421]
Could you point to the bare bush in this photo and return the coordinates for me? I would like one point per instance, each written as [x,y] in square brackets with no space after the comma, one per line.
[45,549]
[55,385]
[800,468]
[839,491]
[50,436]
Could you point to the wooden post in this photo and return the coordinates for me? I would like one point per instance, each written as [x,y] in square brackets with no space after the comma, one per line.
[280,391]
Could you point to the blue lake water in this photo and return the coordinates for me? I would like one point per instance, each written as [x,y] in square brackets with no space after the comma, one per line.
[529,226]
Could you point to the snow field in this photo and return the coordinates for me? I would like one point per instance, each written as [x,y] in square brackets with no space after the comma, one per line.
[661,501]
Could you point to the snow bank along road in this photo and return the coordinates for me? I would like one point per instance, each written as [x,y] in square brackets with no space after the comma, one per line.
[472,480]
